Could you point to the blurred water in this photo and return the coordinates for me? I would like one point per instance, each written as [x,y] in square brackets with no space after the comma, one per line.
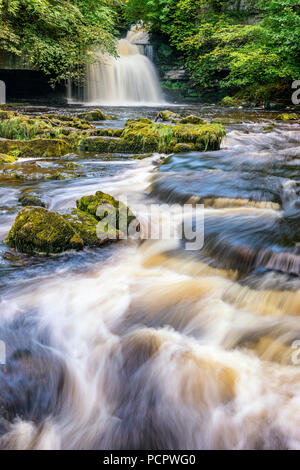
[147,345]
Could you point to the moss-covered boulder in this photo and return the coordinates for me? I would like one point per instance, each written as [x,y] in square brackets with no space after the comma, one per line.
[97,219]
[94,115]
[167,115]
[229,101]
[192,119]
[37,230]
[287,117]
[146,137]
[46,148]
[28,199]
[4,159]
[102,205]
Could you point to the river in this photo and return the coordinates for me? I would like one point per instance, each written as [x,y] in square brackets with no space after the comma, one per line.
[147,345]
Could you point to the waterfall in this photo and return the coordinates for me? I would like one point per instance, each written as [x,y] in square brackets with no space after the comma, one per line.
[130,79]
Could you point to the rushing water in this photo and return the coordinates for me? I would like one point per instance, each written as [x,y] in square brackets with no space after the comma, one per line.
[147,345]
[129,79]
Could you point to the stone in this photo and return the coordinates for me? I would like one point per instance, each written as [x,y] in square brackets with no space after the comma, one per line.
[94,115]
[37,230]
[28,199]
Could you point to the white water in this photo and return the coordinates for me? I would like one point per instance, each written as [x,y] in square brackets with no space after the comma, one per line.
[130,79]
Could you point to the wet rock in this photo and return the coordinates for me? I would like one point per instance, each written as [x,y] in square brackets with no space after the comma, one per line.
[46,148]
[103,205]
[287,117]
[229,101]
[192,119]
[28,199]
[94,115]
[37,230]
[97,219]
[32,379]
[104,144]
[85,225]
[183,148]
[169,116]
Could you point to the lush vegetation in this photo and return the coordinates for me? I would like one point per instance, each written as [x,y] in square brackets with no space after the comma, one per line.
[249,47]
[57,36]
[253,49]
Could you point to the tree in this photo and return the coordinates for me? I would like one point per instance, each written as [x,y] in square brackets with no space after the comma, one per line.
[57,37]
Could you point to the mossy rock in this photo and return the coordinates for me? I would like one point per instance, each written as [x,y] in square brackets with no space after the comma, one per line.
[4,159]
[229,101]
[102,205]
[85,225]
[287,117]
[94,115]
[107,132]
[142,137]
[167,115]
[27,199]
[37,230]
[181,148]
[46,148]
[104,144]
[192,119]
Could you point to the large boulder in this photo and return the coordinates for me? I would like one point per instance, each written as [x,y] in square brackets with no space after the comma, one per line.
[37,230]
[94,115]
[97,219]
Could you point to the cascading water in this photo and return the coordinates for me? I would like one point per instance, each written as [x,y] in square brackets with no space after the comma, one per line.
[130,79]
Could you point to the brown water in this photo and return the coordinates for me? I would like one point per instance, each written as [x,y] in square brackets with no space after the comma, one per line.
[147,345]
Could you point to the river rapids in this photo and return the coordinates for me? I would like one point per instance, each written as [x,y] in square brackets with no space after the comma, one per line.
[147,345]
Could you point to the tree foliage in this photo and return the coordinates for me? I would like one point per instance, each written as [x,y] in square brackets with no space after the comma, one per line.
[57,36]
[221,47]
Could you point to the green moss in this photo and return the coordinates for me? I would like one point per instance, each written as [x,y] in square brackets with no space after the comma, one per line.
[4,159]
[104,144]
[169,115]
[192,119]
[107,132]
[229,101]
[85,225]
[103,205]
[37,230]
[143,137]
[36,148]
[94,115]
[31,200]
[178,148]
[287,117]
